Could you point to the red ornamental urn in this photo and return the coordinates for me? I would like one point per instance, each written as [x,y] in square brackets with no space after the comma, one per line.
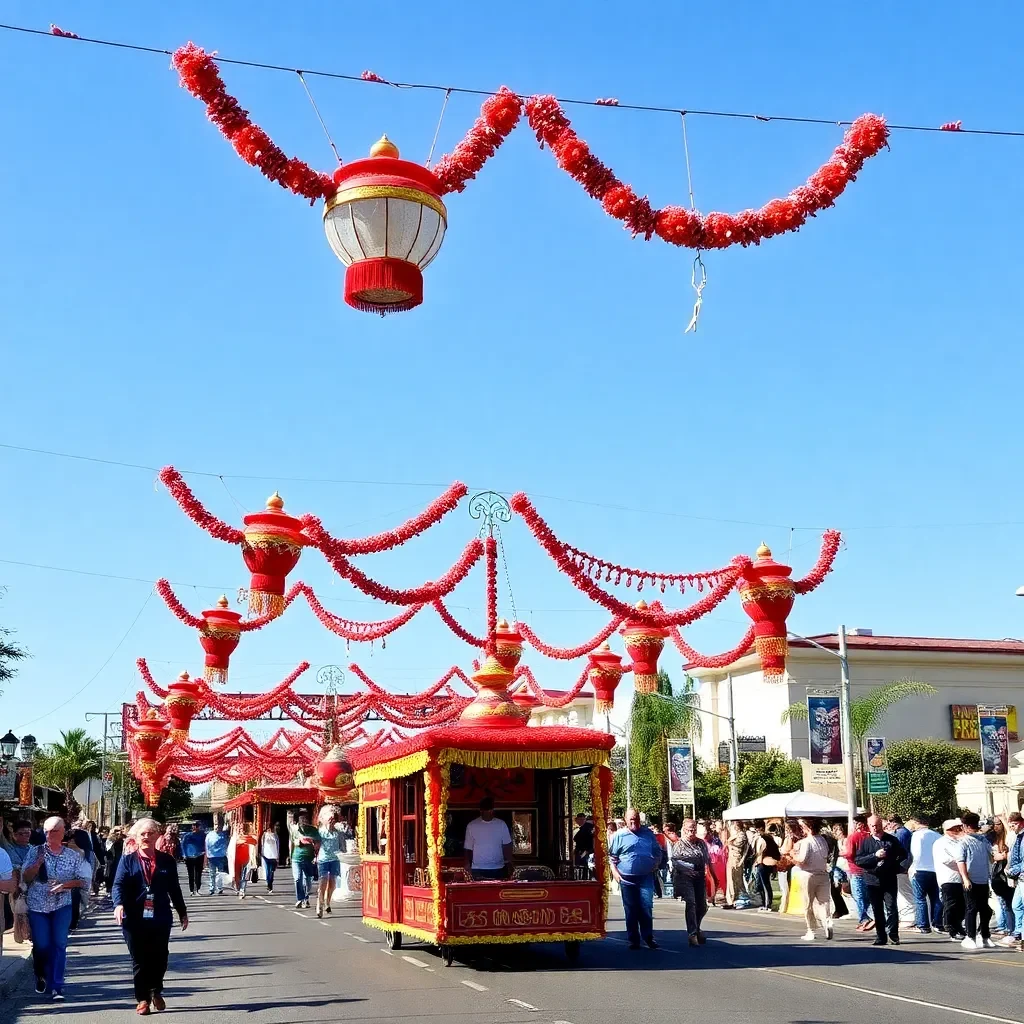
[334,777]
[508,645]
[492,705]
[182,703]
[149,736]
[644,645]
[386,222]
[271,549]
[767,594]
[605,673]
[219,636]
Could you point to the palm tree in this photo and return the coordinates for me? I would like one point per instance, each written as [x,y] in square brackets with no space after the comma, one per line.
[866,713]
[68,763]
[655,718]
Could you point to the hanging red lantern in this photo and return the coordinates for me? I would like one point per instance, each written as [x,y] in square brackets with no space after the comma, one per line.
[605,673]
[508,645]
[385,222]
[182,703]
[492,705]
[271,548]
[767,594]
[644,645]
[149,736]
[334,777]
[219,636]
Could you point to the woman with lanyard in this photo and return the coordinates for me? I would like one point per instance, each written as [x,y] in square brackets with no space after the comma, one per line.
[51,871]
[145,887]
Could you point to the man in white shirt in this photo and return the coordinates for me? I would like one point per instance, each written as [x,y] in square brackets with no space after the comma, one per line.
[488,845]
[945,852]
[927,904]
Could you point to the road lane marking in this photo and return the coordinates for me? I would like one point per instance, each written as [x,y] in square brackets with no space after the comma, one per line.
[1002,963]
[298,913]
[388,951]
[890,995]
[325,924]
[483,988]
[529,1006]
[351,935]
[413,960]
[359,938]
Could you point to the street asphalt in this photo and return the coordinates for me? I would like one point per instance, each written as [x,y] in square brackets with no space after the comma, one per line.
[261,961]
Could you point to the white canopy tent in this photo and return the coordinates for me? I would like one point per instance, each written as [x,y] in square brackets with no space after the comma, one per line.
[788,805]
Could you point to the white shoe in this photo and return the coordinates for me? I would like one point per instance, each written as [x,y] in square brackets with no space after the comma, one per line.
[969,943]
[298,904]
[988,944]
[807,937]
[1008,940]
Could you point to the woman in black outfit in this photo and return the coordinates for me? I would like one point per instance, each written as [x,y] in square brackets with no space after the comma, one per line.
[115,847]
[145,888]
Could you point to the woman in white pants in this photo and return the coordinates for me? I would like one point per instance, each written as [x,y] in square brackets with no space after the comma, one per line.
[810,858]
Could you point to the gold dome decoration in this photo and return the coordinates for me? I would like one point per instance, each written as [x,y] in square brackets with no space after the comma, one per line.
[384,147]
[222,601]
[275,502]
[764,551]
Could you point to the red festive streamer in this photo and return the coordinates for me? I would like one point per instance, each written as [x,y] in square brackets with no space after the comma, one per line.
[250,706]
[499,114]
[418,595]
[430,516]
[163,588]
[147,678]
[712,660]
[686,227]
[56,30]
[194,509]
[248,625]
[568,653]
[491,565]
[348,628]
[201,77]
[372,76]
[952,126]
[596,567]
[830,541]
[460,631]
[556,549]
[523,672]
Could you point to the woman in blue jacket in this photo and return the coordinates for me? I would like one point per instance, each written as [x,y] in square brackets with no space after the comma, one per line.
[145,888]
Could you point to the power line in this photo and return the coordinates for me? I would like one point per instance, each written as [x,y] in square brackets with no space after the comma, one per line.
[466,91]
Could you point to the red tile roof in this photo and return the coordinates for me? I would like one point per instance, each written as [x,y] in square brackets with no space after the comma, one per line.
[916,643]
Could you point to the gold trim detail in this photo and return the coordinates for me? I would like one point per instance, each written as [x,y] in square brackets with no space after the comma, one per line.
[523,758]
[517,938]
[398,926]
[770,591]
[392,769]
[415,195]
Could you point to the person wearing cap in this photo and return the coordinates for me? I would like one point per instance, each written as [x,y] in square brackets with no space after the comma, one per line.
[927,902]
[881,858]
[974,862]
[1014,869]
[951,885]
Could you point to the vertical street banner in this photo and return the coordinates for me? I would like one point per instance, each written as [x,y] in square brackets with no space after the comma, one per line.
[878,766]
[995,741]
[680,771]
[825,736]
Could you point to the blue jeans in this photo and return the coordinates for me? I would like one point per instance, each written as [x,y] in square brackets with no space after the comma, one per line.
[1018,908]
[860,897]
[216,864]
[50,945]
[303,872]
[269,867]
[926,890]
[638,906]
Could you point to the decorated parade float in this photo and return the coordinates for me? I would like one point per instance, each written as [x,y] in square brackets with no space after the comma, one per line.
[419,763]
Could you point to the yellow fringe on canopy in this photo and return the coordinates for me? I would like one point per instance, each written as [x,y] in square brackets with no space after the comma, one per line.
[403,766]
[435,847]
[523,758]
[397,926]
[517,938]
[600,839]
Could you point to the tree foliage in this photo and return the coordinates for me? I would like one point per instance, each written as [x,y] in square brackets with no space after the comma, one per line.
[65,764]
[655,718]
[759,775]
[175,800]
[10,653]
[922,777]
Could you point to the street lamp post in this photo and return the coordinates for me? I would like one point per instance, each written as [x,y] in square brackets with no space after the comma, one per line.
[28,746]
[8,745]
[846,732]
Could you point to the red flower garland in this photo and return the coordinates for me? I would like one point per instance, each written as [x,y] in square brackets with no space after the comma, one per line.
[712,660]
[491,565]
[163,588]
[499,114]
[556,549]
[523,672]
[460,631]
[680,226]
[596,567]
[568,653]
[200,76]
[148,679]
[430,516]
[830,541]
[350,629]
[249,625]
[194,509]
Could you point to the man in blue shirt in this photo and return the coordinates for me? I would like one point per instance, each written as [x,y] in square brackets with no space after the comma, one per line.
[635,856]
[193,849]
[217,857]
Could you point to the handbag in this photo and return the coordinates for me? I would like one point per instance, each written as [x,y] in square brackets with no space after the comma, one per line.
[254,874]
[770,862]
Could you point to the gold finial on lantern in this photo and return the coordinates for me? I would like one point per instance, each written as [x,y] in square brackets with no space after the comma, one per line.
[183,675]
[275,502]
[641,605]
[384,147]
[152,714]
[503,625]
[222,601]
[604,648]
[764,551]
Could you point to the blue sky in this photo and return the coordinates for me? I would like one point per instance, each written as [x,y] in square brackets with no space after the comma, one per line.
[163,303]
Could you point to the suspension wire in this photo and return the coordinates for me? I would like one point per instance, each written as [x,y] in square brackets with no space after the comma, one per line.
[323,124]
[508,578]
[465,91]
[437,130]
[697,283]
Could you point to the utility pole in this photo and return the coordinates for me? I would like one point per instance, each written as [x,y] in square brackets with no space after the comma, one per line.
[107,715]
[847,733]
[734,756]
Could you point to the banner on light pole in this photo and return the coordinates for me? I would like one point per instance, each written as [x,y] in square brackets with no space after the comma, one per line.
[878,766]
[680,771]
[993,732]
[824,734]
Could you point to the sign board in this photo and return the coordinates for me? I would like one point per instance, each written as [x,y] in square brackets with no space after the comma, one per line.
[723,754]
[751,744]
[993,733]
[832,784]
[877,766]
[824,734]
[963,722]
[8,780]
[680,771]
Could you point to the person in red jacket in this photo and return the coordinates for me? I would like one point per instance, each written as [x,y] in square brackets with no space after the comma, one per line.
[857,889]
